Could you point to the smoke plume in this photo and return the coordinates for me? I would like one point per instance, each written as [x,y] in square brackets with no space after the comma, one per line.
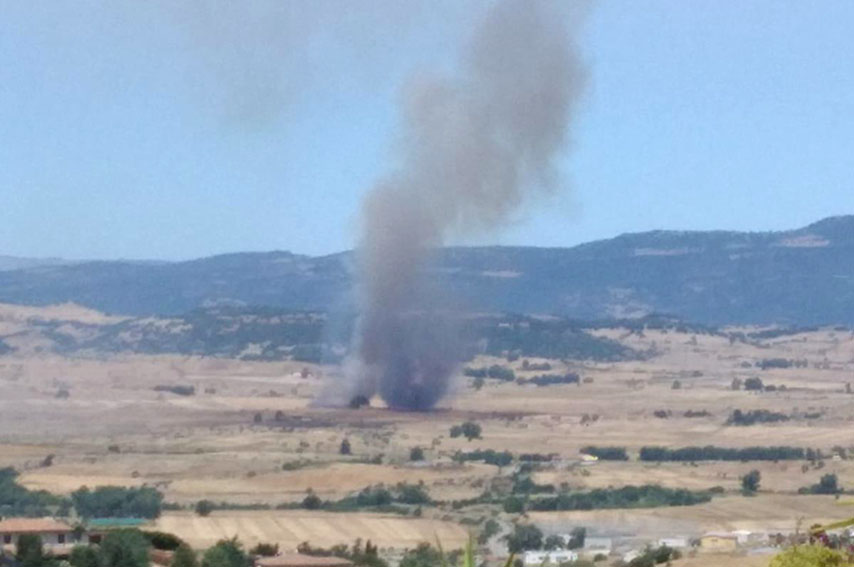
[474,148]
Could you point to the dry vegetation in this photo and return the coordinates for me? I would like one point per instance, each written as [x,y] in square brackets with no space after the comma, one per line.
[106,424]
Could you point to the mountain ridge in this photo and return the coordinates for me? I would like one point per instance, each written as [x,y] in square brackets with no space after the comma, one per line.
[803,276]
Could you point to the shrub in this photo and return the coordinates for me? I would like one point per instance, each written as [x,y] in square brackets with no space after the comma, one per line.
[606,453]
[124,548]
[345,448]
[524,537]
[204,507]
[117,502]
[750,482]
[808,556]
[416,454]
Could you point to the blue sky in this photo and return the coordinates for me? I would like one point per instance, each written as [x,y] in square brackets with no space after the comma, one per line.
[166,130]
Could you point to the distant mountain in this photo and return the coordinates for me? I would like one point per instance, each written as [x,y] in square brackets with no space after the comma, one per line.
[17,263]
[797,277]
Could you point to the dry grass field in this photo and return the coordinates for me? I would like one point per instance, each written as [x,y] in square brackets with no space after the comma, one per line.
[290,528]
[106,424]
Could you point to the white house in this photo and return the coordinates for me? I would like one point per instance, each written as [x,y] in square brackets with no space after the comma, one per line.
[55,535]
[593,545]
[675,542]
[537,558]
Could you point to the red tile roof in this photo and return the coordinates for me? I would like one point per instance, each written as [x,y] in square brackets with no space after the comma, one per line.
[33,526]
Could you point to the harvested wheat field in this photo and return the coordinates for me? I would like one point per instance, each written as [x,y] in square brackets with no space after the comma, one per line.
[290,528]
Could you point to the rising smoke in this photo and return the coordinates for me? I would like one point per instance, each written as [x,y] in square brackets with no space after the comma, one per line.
[474,149]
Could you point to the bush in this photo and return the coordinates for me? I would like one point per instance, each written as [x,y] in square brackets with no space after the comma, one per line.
[750,482]
[751,417]
[204,507]
[829,484]
[416,454]
[117,502]
[470,430]
[646,496]
[712,453]
[754,384]
[345,448]
[265,550]
[124,548]
[606,453]
[163,541]
[551,379]
[808,556]
[488,456]
[83,556]
[226,553]
[524,537]
[184,557]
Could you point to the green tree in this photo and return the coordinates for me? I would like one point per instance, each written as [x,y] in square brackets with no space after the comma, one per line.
[471,430]
[345,448]
[265,549]
[124,548]
[750,482]
[524,537]
[184,557]
[83,556]
[829,484]
[424,555]
[29,551]
[416,454]
[204,508]
[576,538]
[226,553]
[554,542]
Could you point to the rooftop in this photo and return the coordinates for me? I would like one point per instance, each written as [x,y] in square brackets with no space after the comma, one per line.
[33,526]
[300,560]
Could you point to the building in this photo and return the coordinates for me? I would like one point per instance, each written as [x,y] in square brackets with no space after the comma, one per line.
[55,535]
[719,542]
[301,560]
[537,558]
[597,545]
[674,542]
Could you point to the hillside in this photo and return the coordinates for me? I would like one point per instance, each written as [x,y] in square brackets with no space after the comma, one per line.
[797,277]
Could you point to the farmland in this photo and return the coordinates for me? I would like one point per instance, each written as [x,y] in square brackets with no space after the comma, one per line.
[251,435]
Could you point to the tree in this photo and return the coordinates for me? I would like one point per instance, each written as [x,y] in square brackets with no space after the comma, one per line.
[471,430]
[124,548]
[829,484]
[754,384]
[677,385]
[184,557]
[265,549]
[524,537]
[750,482]
[311,501]
[226,553]
[30,550]
[204,508]
[83,556]
[554,542]
[514,505]
[345,448]
[736,384]
[258,418]
[576,538]
[424,555]
[416,454]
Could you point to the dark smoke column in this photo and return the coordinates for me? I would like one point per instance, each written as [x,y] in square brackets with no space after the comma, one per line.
[474,149]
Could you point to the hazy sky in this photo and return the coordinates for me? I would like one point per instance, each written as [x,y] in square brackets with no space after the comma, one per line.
[159,130]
